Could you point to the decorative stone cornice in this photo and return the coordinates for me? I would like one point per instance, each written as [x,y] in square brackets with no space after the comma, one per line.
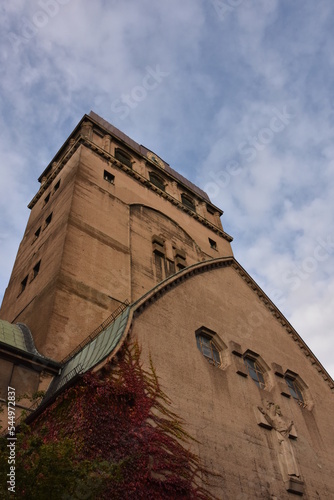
[82,140]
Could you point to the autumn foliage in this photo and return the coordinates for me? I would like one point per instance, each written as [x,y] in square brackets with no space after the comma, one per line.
[111,436]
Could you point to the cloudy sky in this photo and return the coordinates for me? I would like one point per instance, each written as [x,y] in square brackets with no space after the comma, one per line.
[237,95]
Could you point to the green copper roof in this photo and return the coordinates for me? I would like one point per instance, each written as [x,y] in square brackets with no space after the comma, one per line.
[92,353]
[12,335]
[17,339]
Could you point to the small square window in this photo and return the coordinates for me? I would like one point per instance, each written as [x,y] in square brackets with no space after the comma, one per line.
[210,209]
[109,177]
[56,186]
[213,244]
[46,199]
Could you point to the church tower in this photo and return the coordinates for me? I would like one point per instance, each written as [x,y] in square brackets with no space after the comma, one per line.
[110,220]
[117,238]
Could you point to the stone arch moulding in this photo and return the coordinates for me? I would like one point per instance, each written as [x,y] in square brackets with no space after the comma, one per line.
[142,205]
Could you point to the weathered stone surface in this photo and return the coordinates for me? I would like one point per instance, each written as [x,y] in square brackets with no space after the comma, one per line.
[113,236]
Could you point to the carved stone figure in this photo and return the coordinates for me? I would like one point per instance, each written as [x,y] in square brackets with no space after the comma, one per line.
[282,427]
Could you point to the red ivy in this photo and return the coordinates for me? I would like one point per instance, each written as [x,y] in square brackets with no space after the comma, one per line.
[120,422]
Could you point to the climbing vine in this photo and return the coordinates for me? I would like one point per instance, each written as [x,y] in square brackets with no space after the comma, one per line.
[112,435]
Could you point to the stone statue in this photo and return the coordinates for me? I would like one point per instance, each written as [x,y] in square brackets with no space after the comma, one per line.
[282,427]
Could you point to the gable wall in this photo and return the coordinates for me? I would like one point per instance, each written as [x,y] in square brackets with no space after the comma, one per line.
[220,406]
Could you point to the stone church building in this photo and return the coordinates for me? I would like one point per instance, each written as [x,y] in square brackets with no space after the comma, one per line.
[120,246]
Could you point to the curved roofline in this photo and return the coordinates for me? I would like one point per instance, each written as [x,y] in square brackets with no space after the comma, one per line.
[123,324]
[164,286]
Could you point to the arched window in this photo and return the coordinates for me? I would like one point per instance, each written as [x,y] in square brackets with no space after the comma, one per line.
[208,348]
[255,371]
[123,157]
[294,388]
[157,181]
[188,202]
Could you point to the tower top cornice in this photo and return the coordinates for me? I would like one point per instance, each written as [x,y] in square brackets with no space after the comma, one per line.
[95,120]
[93,125]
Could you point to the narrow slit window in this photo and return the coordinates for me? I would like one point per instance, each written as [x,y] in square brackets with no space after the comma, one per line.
[36,269]
[46,199]
[56,186]
[36,235]
[24,284]
[159,263]
[48,220]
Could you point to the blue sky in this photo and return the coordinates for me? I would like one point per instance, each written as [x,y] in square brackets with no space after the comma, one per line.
[236,95]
